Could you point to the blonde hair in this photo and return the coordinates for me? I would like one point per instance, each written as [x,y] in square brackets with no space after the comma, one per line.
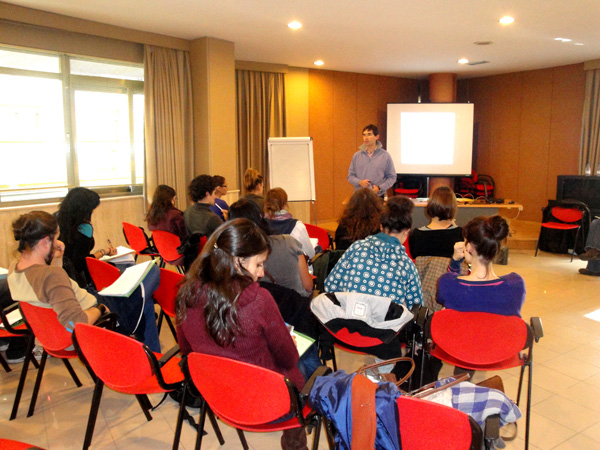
[275,200]
[252,179]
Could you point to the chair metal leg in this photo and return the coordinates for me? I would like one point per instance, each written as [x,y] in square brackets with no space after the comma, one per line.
[528,410]
[182,412]
[28,357]
[329,433]
[161,315]
[145,405]
[89,431]
[5,364]
[317,432]
[242,439]
[201,420]
[215,425]
[38,381]
[72,372]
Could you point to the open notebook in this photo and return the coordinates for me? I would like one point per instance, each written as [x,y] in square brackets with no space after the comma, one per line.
[129,280]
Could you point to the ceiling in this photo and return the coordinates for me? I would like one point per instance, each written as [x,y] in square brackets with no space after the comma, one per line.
[410,38]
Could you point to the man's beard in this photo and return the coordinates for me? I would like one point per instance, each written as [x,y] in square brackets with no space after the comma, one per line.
[50,256]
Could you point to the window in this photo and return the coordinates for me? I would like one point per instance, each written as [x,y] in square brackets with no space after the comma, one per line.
[67,121]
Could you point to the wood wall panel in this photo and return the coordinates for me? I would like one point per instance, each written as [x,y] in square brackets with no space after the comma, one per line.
[320,110]
[345,105]
[340,105]
[567,109]
[535,135]
[528,127]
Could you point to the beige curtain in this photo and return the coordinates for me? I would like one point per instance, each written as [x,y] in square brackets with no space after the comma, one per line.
[260,115]
[168,120]
[590,133]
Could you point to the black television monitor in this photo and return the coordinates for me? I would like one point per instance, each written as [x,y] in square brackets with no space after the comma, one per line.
[430,138]
[586,189]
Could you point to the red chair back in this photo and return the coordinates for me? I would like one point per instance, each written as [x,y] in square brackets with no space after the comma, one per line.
[167,290]
[320,234]
[167,245]
[44,324]
[426,425]
[136,237]
[119,361]
[485,339]
[8,444]
[569,215]
[103,274]
[262,397]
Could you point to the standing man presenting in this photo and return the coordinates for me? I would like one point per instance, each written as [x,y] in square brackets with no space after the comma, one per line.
[372,166]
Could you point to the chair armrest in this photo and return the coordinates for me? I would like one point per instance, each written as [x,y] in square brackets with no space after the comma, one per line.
[538,329]
[320,372]
[167,356]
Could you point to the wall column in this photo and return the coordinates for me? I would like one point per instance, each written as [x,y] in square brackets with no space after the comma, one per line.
[214,96]
[442,89]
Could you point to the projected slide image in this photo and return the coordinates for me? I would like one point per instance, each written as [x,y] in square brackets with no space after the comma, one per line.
[427,137]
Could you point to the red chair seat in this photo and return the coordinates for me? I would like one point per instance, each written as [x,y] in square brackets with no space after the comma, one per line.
[171,374]
[560,226]
[467,344]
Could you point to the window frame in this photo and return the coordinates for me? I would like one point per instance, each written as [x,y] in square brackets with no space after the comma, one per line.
[70,85]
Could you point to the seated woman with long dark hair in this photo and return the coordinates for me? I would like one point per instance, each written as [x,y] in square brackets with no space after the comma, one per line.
[222,311]
[76,232]
[163,215]
[481,290]
[360,218]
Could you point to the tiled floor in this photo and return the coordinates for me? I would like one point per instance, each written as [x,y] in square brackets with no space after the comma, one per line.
[566,395]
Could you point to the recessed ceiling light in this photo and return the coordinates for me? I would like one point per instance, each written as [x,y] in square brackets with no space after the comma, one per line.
[294,25]
[318,62]
[506,20]
[463,61]
[578,43]
[562,39]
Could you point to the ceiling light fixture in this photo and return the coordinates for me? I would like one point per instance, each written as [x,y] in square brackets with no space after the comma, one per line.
[463,61]
[579,44]
[318,62]
[562,39]
[506,20]
[294,25]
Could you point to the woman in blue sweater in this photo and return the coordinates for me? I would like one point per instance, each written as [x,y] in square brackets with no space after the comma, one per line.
[481,290]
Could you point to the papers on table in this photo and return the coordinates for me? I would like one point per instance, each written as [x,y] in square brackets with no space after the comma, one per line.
[314,242]
[13,317]
[129,280]
[123,255]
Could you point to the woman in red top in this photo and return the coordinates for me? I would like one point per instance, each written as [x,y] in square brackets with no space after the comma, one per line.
[241,320]
[163,215]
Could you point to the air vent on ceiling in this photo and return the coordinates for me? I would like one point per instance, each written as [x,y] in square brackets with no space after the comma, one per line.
[483,43]
[476,63]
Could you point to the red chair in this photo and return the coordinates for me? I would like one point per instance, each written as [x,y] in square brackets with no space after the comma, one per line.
[487,342]
[168,245]
[563,218]
[7,444]
[320,234]
[138,240]
[425,425]
[23,332]
[165,296]
[54,338]
[127,366]
[103,274]
[256,404]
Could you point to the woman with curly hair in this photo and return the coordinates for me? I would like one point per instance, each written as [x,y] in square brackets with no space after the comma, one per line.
[76,231]
[222,310]
[163,215]
[360,218]
[253,186]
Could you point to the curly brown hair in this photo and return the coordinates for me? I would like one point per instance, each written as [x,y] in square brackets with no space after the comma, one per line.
[362,214]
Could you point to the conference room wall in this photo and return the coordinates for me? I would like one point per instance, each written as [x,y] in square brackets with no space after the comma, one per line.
[340,104]
[528,128]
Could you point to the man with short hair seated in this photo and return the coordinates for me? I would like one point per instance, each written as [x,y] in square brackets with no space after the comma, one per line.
[38,278]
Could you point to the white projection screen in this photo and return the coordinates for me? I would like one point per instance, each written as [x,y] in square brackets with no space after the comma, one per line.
[430,138]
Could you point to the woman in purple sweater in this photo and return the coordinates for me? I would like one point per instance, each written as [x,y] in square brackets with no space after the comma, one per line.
[222,311]
[163,215]
[481,290]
